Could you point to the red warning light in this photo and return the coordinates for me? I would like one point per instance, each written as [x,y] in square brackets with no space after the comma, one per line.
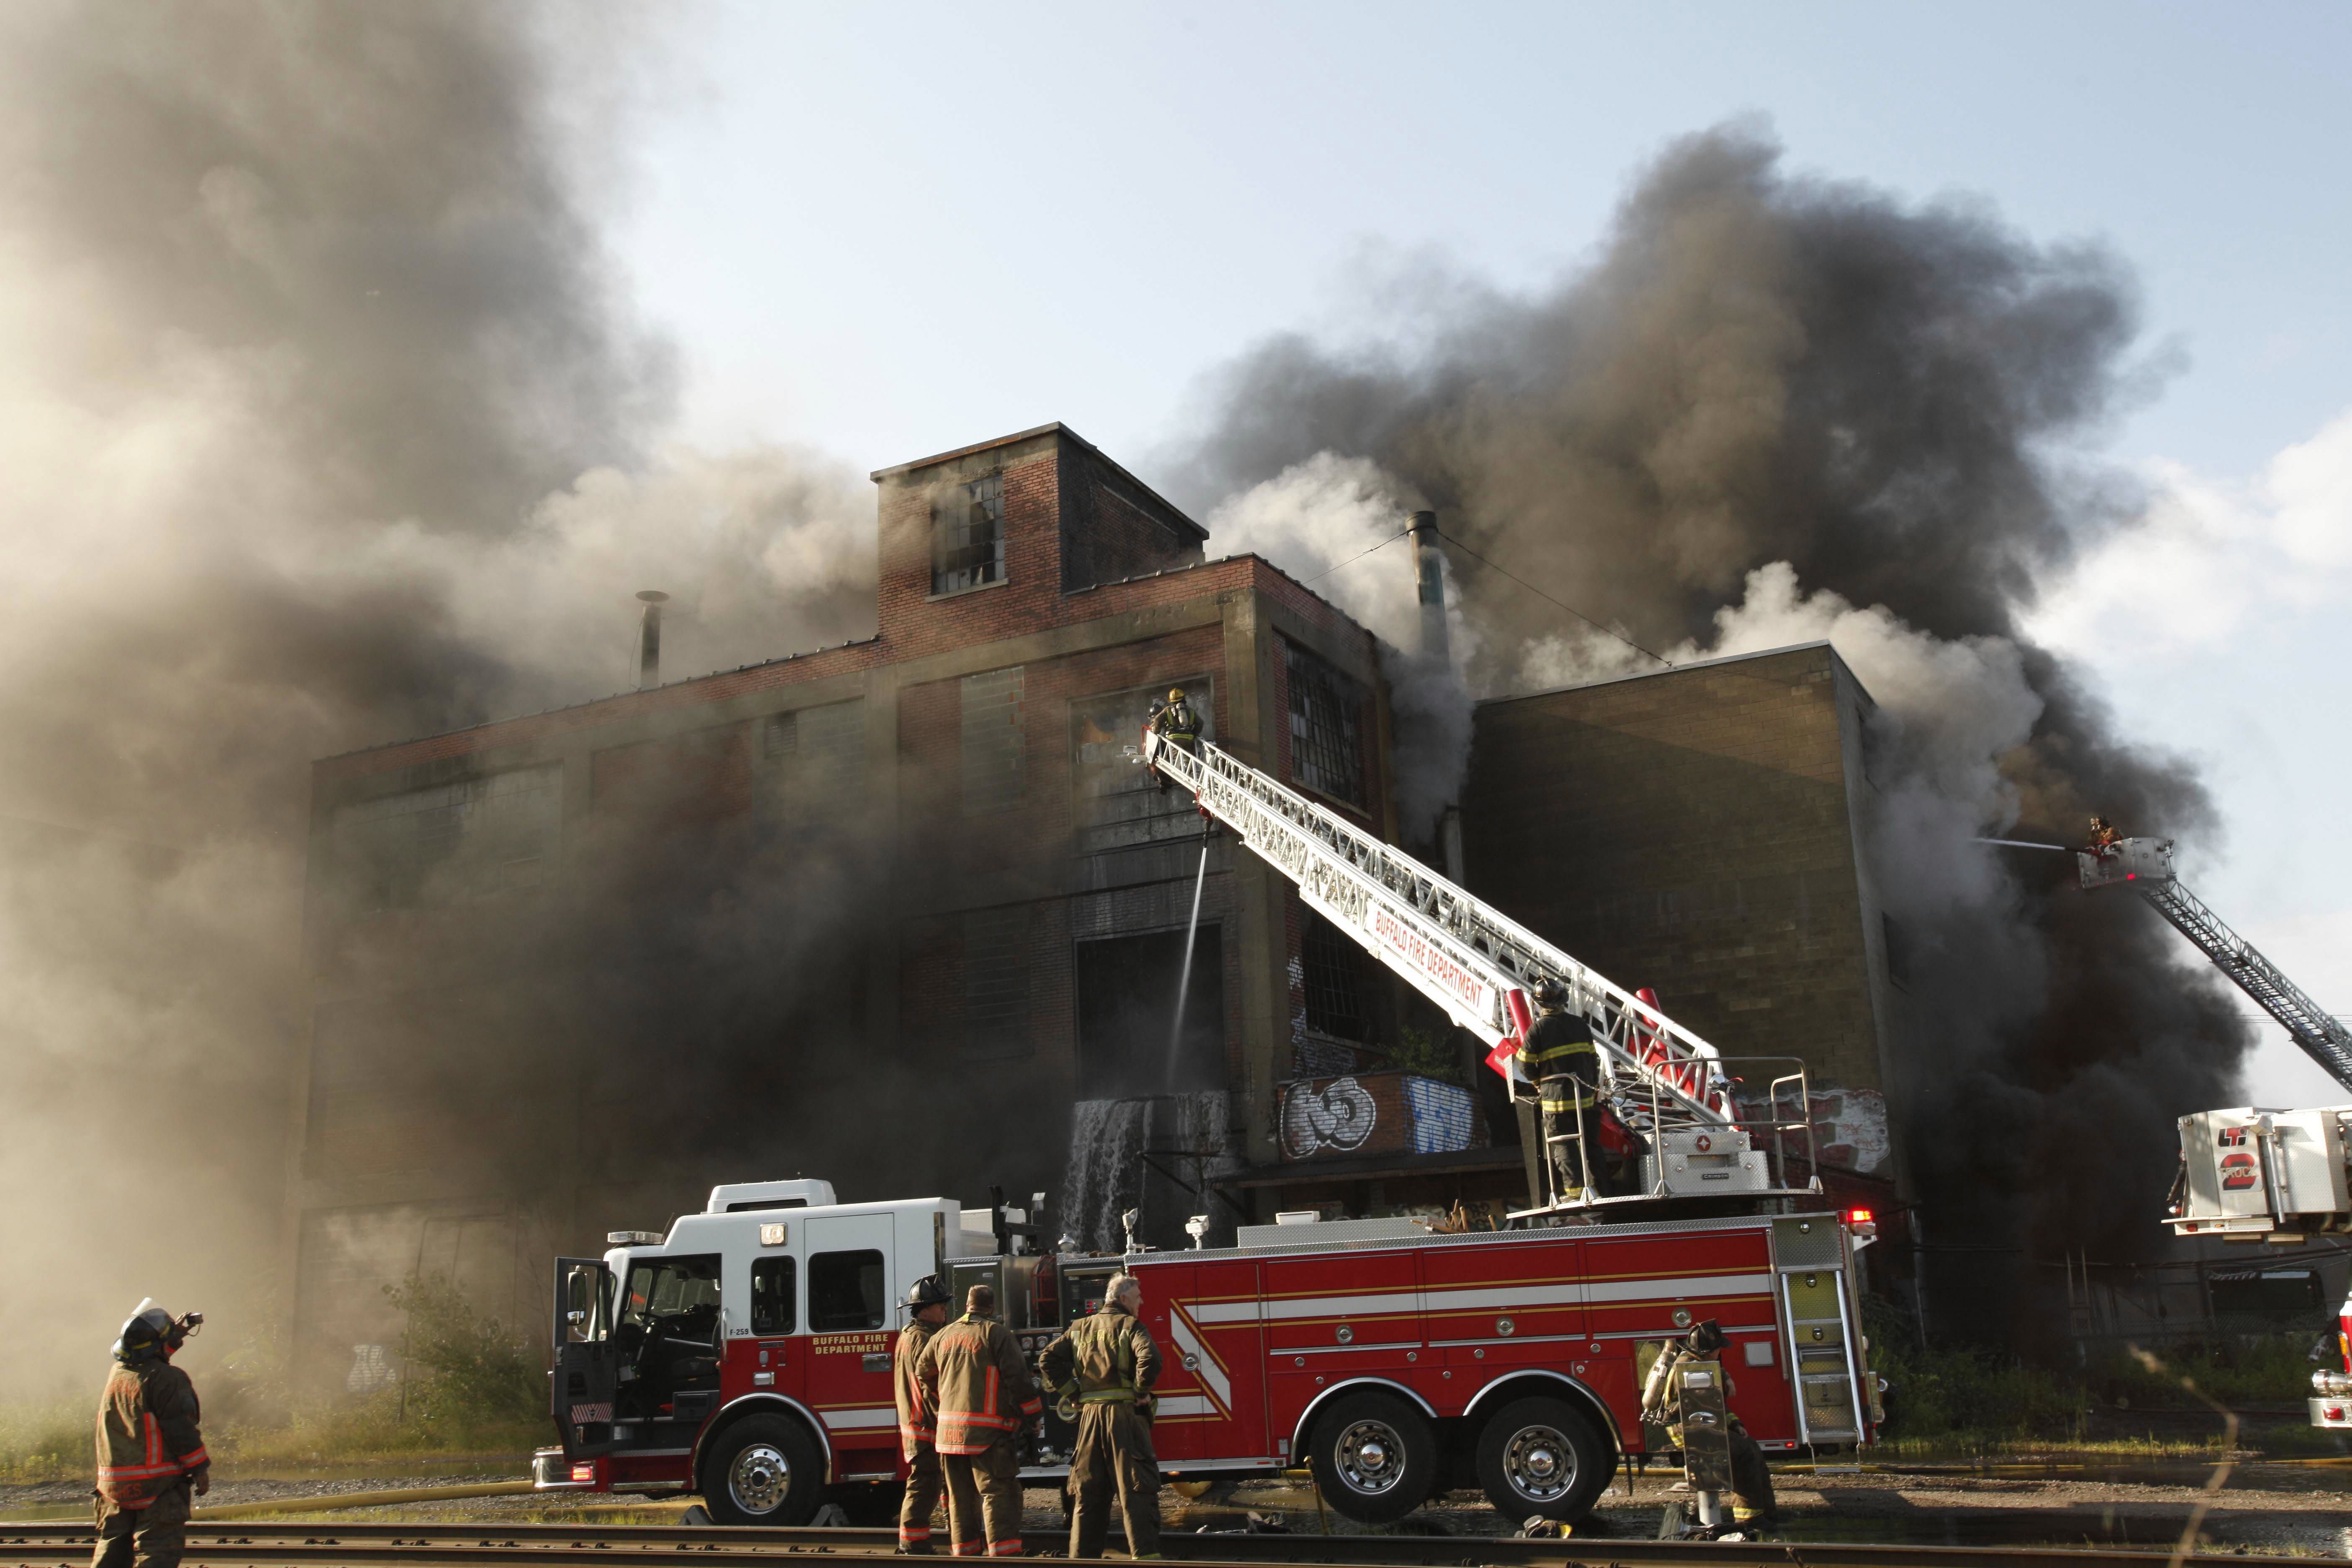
[1860,1221]
[2131,875]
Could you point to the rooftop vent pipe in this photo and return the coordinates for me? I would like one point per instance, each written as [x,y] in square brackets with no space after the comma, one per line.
[649,638]
[1437,648]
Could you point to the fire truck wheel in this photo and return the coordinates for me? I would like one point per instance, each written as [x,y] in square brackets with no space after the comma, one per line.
[1374,1457]
[764,1469]
[1540,1458]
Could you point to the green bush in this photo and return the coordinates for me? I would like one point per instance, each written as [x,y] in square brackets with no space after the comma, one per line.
[463,1371]
[1425,1055]
[47,1441]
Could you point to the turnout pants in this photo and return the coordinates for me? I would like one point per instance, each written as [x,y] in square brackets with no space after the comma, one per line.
[149,1536]
[984,1500]
[1751,1478]
[1562,1115]
[925,1485]
[1114,1454]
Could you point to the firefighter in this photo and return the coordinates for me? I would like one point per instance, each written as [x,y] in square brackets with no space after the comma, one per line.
[1108,1365]
[1176,723]
[1662,1402]
[2104,835]
[151,1456]
[979,1391]
[1559,1055]
[927,1309]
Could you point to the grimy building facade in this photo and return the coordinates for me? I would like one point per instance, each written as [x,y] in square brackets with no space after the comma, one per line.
[904,914]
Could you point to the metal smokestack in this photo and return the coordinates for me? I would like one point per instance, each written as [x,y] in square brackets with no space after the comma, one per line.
[649,638]
[1437,649]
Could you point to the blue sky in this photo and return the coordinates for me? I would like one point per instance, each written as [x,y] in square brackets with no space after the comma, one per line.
[886,231]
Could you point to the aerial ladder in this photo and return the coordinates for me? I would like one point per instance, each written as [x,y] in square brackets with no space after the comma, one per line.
[1481,967]
[2250,1173]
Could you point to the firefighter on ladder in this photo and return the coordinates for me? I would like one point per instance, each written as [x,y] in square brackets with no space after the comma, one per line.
[1662,1402]
[1107,1365]
[151,1454]
[1559,1055]
[979,1392]
[927,1309]
[1176,723]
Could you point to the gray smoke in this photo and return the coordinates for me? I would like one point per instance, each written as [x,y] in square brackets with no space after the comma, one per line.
[1779,407]
[326,427]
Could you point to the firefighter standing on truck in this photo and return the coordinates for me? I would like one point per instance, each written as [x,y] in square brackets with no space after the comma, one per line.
[981,1396]
[1662,1402]
[927,1309]
[151,1454]
[1559,1055]
[1107,1364]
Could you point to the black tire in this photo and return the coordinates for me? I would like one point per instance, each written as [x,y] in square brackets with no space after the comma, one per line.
[1374,1457]
[1542,1459]
[764,1469]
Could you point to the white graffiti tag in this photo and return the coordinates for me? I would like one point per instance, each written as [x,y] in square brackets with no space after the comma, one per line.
[1334,1115]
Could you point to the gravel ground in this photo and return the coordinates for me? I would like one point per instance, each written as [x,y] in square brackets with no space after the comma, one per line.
[2263,1508]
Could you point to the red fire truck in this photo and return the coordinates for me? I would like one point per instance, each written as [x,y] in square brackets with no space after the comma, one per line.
[746,1354]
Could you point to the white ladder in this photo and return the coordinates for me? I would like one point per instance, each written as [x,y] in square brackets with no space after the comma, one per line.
[1470,959]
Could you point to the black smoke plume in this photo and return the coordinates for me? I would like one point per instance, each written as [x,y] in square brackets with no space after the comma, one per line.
[326,427]
[1778,407]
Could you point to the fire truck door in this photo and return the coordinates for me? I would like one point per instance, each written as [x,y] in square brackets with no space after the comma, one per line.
[585,1374]
[1205,1319]
[852,1288]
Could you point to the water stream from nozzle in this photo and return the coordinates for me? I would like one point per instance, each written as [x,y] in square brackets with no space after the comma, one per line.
[1184,980]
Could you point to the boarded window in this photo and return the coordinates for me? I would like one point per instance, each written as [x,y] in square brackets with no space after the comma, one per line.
[817,757]
[1327,750]
[996,983]
[995,742]
[1117,805]
[452,842]
[968,535]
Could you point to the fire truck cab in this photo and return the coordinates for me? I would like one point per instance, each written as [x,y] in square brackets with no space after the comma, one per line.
[746,1355]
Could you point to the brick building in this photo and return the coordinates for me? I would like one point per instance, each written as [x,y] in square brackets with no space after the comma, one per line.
[1696,830]
[903,914]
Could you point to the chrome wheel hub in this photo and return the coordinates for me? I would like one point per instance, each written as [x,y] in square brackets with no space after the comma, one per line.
[1539,1464]
[760,1478]
[1370,1456]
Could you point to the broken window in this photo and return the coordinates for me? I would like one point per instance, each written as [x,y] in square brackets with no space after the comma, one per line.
[968,535]
[995,742]
[1327,753]
[1119,804]
[1340,981]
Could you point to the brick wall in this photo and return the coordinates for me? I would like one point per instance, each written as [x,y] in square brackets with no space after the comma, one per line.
[1691,831]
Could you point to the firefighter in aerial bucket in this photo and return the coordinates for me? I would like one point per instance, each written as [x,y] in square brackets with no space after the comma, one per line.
[1107,1365]
[1177,723]
[1559,1055]
[927,1311]
[978,1387]
[2104,835]
[151,1456]
[1661,1404]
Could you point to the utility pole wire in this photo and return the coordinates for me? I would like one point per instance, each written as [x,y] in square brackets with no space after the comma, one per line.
[1359,555]
[1538,593]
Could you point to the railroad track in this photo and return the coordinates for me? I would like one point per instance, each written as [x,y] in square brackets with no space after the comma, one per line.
[371,1543]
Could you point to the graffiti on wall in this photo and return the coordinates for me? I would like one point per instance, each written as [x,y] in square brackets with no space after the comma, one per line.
[1338,1115]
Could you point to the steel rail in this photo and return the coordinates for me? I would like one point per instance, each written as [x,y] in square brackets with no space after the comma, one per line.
[371,1543]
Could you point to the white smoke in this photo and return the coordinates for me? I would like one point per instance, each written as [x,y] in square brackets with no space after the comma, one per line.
[1335,524]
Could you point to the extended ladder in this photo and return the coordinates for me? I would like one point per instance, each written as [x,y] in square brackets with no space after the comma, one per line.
[1470,959]
[2145,865]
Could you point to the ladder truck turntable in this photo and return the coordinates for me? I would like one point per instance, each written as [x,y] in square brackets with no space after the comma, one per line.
[2249,1174]
[746,1354]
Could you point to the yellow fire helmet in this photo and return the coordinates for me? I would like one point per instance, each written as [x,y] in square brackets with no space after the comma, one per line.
[1175,694]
